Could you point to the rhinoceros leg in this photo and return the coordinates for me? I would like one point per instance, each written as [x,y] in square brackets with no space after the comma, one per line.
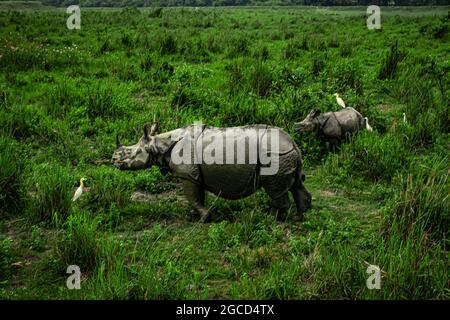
[301,197]
[280,206]
[195,195]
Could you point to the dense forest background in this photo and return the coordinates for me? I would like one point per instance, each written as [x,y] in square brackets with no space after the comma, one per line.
[202,3]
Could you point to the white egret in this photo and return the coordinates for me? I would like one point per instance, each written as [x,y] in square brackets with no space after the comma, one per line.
[368,127]
[404,118]
[79,190]
[339,100]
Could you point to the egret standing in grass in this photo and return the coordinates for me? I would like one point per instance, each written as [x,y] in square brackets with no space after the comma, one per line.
[339,100]
[368,127]
[79,190]
[404,118]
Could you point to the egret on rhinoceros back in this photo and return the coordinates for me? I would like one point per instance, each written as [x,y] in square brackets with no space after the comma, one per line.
[229,162]
[339,100]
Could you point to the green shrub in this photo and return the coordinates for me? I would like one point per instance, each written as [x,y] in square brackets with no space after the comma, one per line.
[195,51]
[412,268]
[20,58]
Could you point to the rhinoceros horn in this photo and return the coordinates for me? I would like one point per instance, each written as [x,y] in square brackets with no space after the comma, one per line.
[118,145]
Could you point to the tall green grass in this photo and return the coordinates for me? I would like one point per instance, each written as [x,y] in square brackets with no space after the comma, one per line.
[12,189]
[371,156]
[53,196]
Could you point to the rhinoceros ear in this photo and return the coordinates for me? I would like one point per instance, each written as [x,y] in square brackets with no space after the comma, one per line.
[314,113]
[151,130]
[154,128]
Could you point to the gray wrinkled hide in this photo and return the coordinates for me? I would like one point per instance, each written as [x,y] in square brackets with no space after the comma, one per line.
[229,181]
[332,126]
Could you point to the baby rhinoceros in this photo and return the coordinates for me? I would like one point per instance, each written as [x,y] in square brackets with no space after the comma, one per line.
[333,126]
[231,163]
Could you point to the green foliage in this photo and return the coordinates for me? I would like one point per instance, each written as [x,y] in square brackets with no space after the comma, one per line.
[12,196]
[390,63]
[53,196]
[261,79]
[78,243]
[37,241]
[168,44]
[422,206]
[371,156]
[5,259]
[101,102]
[238,46]
[380,199]
[109,186]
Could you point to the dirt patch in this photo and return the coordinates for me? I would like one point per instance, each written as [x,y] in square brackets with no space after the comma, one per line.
[384,107]
[331,192]
[140,196]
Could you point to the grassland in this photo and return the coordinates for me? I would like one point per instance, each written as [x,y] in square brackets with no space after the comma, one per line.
[382,199]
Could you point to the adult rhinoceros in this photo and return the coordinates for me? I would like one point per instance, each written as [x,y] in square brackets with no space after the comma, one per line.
[333,126]
[230,162]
